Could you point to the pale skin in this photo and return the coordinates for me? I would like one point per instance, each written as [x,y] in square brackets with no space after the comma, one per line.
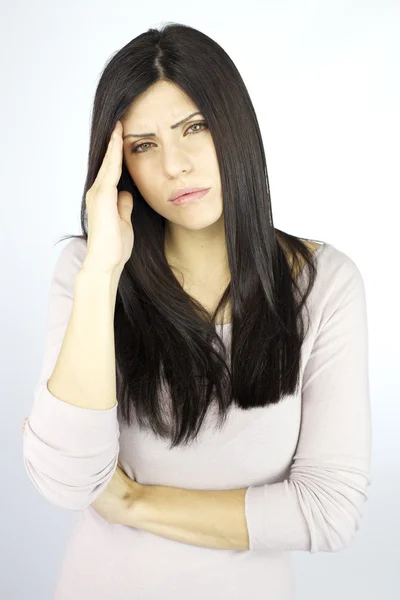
[195,248]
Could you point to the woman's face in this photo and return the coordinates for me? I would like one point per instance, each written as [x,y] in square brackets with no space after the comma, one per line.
[175,157]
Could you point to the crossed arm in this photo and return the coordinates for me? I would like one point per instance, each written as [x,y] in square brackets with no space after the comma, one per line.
[207,518]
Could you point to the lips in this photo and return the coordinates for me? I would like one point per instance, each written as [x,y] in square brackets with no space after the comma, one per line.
[185,191]
[188,198]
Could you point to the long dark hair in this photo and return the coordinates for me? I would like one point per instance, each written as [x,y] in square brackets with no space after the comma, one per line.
[163,336]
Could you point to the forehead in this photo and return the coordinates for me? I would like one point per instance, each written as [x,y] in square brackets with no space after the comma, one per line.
[163,100]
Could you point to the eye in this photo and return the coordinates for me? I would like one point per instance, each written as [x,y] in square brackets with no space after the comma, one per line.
[194,125]
[203,125]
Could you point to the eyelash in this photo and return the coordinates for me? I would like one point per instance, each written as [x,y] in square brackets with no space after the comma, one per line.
[133,150]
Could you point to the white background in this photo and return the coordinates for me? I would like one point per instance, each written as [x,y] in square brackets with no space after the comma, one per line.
[324,80]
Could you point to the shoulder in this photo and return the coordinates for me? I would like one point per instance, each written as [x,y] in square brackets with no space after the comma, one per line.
[332,263]
[338,277]
[74,251]
[297,261]
[69,260]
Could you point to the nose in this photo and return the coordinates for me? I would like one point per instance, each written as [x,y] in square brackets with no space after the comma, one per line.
[175,161]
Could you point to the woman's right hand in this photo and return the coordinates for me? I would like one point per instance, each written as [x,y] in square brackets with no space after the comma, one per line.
[110,232]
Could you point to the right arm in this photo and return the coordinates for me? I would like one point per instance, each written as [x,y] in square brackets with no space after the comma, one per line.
[71,438]
[84,374]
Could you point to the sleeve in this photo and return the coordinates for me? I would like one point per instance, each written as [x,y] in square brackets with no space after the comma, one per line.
[319,507]
[70,453]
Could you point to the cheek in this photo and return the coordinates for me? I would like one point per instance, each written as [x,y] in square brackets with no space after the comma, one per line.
[146,182]
[209,160]
[138,175]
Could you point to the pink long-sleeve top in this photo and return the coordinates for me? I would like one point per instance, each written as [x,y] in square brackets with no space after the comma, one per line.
[305,461]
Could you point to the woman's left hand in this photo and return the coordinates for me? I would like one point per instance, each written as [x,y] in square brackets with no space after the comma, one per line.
[114,501]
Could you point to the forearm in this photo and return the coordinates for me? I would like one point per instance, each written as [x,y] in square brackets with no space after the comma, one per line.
[206,518]
[84,374]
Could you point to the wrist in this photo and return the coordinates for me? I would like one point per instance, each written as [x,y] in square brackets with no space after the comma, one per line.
[97,278]
[135,504]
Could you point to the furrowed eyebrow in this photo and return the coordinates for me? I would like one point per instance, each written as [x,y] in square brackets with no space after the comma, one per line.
[153,134]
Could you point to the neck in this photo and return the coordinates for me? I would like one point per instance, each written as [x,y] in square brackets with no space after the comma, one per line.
[200,255]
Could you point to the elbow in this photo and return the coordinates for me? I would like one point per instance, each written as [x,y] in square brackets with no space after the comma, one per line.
[70,476]
[335,520]
[71,492]
[339,538]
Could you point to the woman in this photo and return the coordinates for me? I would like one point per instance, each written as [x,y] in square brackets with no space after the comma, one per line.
[215,484]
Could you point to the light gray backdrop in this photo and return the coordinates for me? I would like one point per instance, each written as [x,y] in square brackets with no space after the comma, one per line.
[324,79]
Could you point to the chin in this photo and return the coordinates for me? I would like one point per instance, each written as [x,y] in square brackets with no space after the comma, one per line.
[196,222]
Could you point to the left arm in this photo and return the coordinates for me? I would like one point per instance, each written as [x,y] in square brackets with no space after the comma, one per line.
[206,518]
[214,519]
